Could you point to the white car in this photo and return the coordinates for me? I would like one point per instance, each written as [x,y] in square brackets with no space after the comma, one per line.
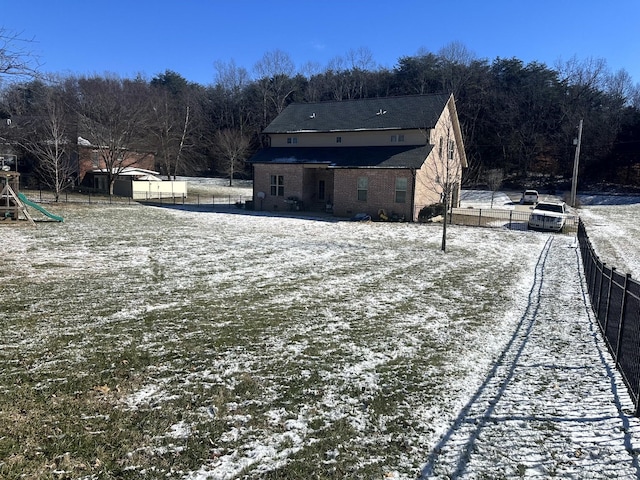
[549,216]
[530,197]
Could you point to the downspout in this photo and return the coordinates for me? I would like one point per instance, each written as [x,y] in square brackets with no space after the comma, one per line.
[413,194]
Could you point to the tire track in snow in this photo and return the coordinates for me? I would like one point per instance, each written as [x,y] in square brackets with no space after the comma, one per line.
[549,405]
[455,447]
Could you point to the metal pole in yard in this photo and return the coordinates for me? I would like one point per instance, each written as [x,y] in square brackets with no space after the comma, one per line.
[574,181]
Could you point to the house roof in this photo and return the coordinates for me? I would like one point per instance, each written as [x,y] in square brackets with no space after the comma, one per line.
[131,172]
[388,113]
[358,157]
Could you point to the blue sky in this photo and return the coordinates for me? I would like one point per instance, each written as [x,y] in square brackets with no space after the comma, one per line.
[149,37]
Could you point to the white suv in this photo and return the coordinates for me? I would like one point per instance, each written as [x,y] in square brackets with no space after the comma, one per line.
[548,216]
[530,197]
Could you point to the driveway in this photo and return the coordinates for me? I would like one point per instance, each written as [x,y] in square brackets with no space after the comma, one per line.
[552,406]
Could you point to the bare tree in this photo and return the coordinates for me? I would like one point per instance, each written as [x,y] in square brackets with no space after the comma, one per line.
[312,72]
[620,86]
[442,172]
[231,77]
[455,59]
[171,121]
[113,115]
[171,127]
[231,84]
[49,137]
[15,58]
[275,71]
[494,179]
[231,148]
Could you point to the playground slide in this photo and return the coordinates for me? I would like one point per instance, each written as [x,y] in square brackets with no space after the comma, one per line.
[28,202]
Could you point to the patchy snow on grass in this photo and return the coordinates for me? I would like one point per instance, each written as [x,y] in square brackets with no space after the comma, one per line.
[205,345]
[613,227]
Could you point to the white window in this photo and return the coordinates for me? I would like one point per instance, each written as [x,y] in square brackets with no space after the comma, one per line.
[401,190]
[451,149]
[277,185]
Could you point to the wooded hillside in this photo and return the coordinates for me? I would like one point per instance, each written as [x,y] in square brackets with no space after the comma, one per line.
[520,119]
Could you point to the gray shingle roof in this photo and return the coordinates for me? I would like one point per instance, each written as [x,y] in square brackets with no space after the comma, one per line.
[358,157]
[407,112]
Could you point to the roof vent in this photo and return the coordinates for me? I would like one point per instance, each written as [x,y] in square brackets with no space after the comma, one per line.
[381,112]
[313,115]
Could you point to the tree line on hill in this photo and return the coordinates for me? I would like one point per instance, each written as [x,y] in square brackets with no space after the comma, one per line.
[519,119]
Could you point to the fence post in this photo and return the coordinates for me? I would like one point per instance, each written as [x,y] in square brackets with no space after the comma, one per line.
[479,216]
[606,311]
[510,218]
[594,279]
[599,297]
[621,324]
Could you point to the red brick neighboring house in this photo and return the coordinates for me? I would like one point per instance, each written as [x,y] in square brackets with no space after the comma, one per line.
[390,155]
[91,166]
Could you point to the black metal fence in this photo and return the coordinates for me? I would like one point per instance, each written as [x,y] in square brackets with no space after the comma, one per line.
[45,196]
[615,298]
[502,218]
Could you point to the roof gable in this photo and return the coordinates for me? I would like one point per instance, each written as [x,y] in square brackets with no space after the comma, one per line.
[388,113]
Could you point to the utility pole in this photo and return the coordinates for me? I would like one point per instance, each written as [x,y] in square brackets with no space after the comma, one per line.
[574,182]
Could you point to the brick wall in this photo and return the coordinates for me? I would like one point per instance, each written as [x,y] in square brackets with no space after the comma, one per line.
[293,185]
[380,195]
[133,159]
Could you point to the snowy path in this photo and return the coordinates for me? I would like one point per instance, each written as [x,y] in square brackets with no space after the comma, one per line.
[552,406]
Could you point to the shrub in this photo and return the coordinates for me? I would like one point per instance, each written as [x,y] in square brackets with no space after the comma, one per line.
[430,211]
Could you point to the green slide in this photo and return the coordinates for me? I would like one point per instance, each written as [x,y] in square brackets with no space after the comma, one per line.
[28,202]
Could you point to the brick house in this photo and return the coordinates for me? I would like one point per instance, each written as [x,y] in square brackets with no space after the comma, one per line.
[389,156]
[91,165]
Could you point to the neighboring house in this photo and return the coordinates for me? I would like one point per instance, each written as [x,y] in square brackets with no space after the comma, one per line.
[377,156]
[135,177]
[89,160]
[137,183]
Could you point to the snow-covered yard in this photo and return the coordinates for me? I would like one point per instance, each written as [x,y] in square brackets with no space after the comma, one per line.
[147,342]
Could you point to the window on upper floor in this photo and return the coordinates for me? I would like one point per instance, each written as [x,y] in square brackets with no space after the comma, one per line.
[397,138]
[338,139]
[292,140]
[451,149]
